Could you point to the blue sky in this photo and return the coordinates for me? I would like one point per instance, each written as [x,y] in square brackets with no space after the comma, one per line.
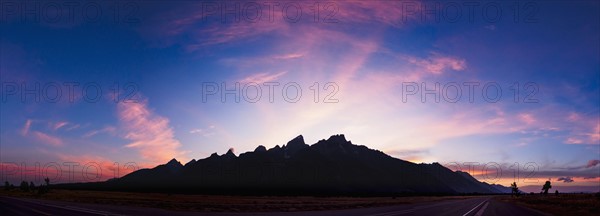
[163,55]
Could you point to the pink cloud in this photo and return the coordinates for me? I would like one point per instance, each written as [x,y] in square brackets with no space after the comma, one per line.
[262,77]
[48,139]
[150,133]
[437,64]
[59,125]
[595,134]
[392,13]
[219,34]
[584,131]
[289,56]
[573,140]
[527,118]
[184,21]
[26,127]
[573,117]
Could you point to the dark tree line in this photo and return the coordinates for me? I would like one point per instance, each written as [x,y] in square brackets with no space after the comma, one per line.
[27,187]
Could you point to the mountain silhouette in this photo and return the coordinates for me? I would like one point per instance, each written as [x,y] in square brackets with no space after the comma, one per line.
[329,167]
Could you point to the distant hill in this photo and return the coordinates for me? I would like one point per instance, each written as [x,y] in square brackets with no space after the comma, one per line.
[329,167]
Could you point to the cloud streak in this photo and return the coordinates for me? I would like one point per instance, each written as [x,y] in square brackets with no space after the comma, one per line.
[565,179]
[263,77]
[26,127]
[592,163]
[48,139]
[148,132]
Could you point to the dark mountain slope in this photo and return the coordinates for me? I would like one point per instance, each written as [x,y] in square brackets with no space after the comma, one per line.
[329,167]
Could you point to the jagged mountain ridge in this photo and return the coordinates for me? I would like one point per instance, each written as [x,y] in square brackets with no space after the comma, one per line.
[332,166]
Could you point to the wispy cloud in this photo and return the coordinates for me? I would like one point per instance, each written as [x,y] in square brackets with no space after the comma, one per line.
[48,139]
[527,118]
[26,127]
[592,163]
[107,129]
[262,77]
[73,127]
[206,132]
[565,179]
[584,131]
[193,131]
[437,64]
[149,132]
[289,56]
[390,13]
[59,125]
[490,27]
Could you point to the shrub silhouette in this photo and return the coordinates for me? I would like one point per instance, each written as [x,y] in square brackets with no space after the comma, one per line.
[31,186]
[44,188]
[24,186]
[546,187]
[514,189]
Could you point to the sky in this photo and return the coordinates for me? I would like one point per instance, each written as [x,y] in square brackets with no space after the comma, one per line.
[509,91]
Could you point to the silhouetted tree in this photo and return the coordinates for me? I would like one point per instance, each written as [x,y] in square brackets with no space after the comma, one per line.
[546,187]
[556,192]
[44,188]
[514,189]
[31,186]
[6,185]
[24,186]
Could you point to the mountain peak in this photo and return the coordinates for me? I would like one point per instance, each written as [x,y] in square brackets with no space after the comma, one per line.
[173,162]
[190,162]
[339,138]
[295,145]
[230,153]
[299,140]
[260,148]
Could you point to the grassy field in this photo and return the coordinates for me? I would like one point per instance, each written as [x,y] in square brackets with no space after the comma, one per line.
[563,204]
[214,203]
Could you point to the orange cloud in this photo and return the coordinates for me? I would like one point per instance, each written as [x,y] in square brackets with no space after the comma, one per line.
[97,168]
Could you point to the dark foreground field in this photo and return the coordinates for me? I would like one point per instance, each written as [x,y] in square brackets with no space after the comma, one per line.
[215,203]
[563,204]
